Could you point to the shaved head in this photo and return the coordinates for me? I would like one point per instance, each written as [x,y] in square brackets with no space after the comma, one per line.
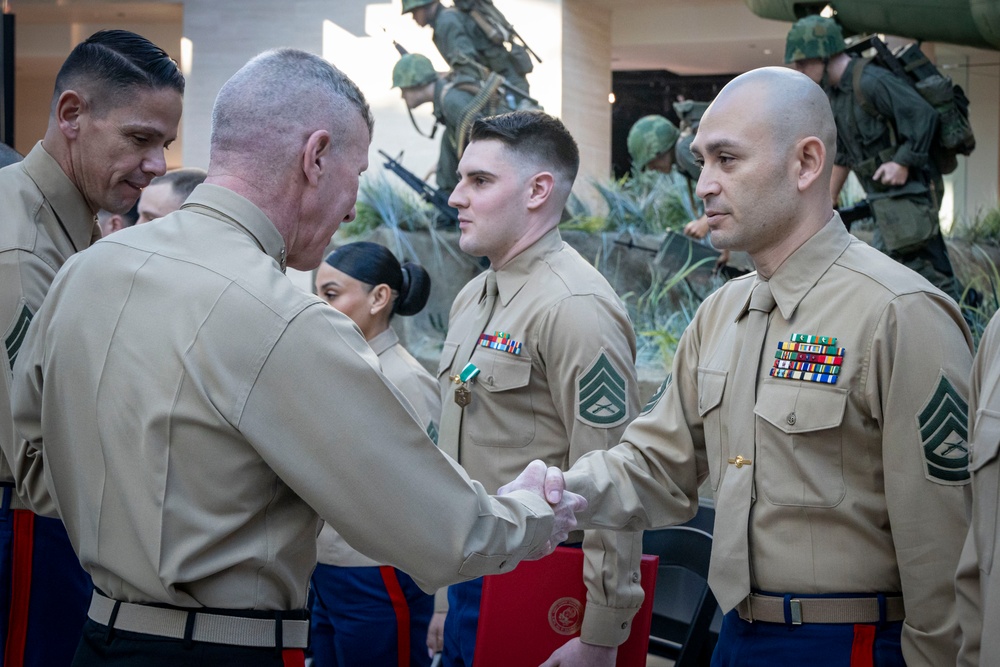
[789,104]
[766,146]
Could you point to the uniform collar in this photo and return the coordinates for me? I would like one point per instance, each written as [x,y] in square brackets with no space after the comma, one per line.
[383,341]
[225,205]
[512,277]
[798,274]
[63,196]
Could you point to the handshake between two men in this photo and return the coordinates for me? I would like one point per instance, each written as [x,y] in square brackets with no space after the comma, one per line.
[548,483]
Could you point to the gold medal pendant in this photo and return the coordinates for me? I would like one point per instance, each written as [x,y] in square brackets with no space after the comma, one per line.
[463,396]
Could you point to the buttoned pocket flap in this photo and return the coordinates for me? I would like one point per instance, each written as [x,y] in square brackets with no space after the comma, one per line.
[711,385]
[793,407]
[505,372]
[448,353]
[985,440]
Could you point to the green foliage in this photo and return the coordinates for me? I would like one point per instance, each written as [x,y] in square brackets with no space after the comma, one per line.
[664,311]
[381,202]
[984,228]
[645,202]
[985,280]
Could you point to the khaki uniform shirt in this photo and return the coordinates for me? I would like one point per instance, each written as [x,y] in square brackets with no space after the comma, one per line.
[574,334]
[421,390]
[861,486]
[45,221]
[979,591]
[202,414]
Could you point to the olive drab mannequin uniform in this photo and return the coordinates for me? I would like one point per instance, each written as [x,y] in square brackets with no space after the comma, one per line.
[855,454]
[906,216]
[358,617]
[205,482]
[456,107]
[461,42]
[980,608]
[556,361]
[46,220]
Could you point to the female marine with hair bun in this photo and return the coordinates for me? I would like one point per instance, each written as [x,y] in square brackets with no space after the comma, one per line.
[361,606]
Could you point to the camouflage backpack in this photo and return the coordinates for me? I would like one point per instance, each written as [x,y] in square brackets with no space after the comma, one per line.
[954,135]
[499,30]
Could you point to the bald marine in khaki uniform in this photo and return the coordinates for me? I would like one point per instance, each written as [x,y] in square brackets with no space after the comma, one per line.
[556,355]
[841,487]
[195,498]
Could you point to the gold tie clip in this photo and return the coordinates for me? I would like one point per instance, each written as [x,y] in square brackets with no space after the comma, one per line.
[739,461]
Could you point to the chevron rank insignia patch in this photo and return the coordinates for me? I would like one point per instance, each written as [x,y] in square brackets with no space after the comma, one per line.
[944,435]
[15,335]
[655,398]
[601,394]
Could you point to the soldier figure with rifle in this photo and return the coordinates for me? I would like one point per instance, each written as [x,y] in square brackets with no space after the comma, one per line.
[472,33]
[886,134]
[458,101]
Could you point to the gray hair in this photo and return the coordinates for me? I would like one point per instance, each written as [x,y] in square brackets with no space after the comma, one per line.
[277,100]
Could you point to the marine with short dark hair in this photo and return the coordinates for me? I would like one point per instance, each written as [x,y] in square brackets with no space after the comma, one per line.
[539,360]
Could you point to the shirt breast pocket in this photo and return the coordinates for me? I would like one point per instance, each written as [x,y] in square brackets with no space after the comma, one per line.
[501,414]
[985,469]
[800,449]
[711,386]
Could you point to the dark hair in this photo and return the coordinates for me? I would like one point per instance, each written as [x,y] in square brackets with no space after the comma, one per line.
[373,264]
[535,134]
[182,181]
[114,62]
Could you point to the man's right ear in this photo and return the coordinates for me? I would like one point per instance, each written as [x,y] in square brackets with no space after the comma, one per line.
[69,108]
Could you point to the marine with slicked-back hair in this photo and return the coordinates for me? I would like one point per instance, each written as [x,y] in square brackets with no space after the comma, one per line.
[111,62]
[115,109]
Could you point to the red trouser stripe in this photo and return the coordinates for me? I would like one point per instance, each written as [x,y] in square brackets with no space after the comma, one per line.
[20,593]
[294,657]
[863,646]
[402,610]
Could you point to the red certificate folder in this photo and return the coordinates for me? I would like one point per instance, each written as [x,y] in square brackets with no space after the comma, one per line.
[527,614]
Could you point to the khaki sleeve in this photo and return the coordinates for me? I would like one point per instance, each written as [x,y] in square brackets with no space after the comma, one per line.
[589,350]
[917,392]
[590,367]
[326,420]
[24,281]
[651,479]
[978,593]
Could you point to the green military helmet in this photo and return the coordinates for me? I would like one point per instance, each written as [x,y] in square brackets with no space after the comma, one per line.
[410,5]
[412,70]
[650,136]
[814,37]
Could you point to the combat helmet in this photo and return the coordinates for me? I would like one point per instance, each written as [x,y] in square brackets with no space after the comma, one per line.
[814,37]
[410,5]
[650,136]
[413,69]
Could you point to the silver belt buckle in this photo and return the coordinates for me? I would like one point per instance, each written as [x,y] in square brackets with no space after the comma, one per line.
[795,606]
